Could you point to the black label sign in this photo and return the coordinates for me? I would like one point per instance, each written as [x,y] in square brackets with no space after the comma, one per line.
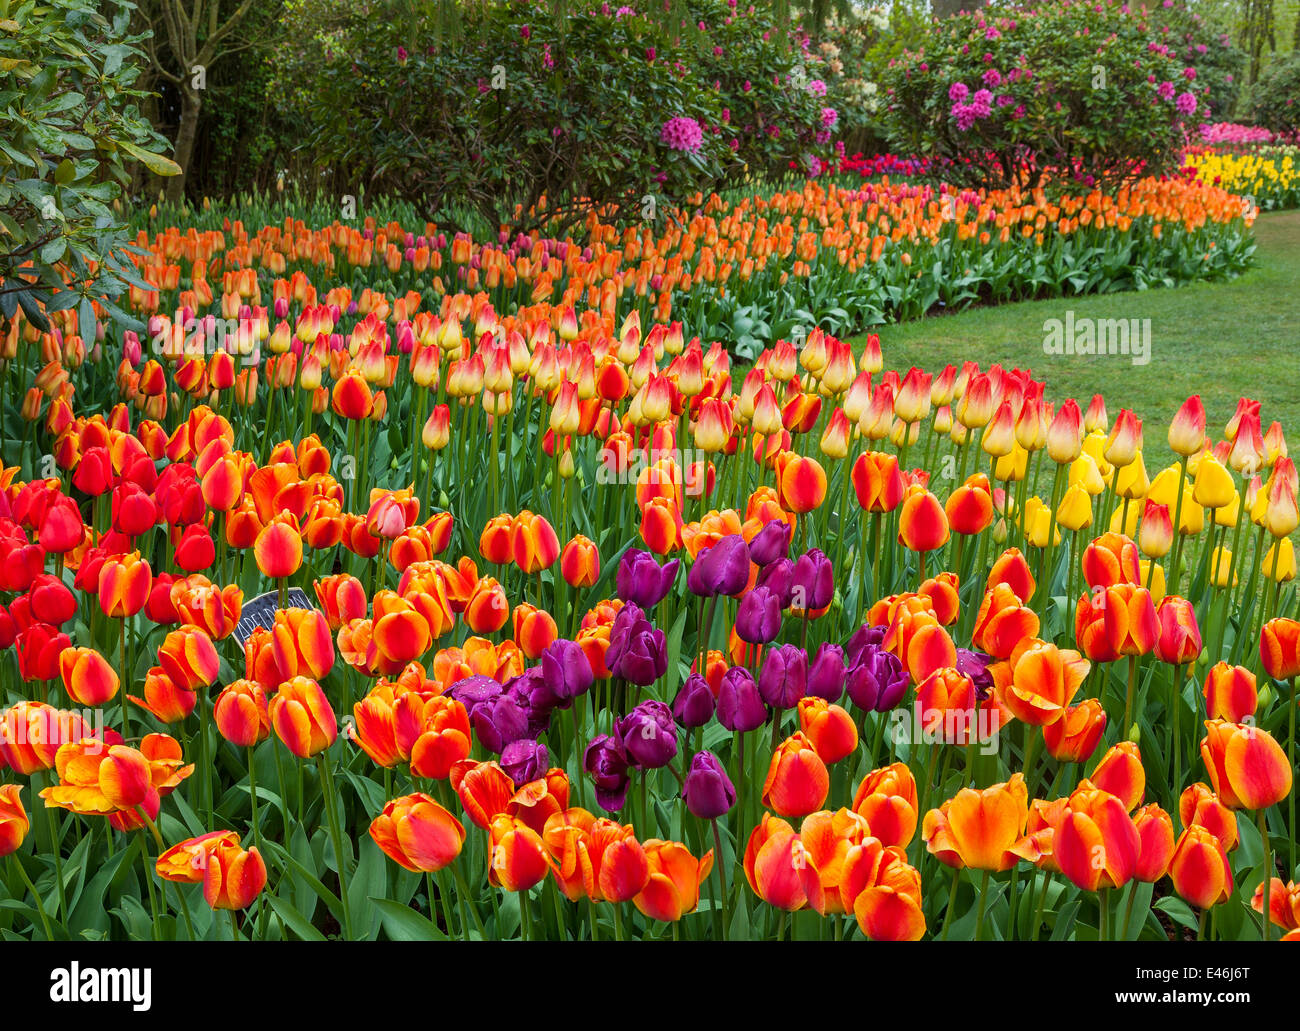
[260,612]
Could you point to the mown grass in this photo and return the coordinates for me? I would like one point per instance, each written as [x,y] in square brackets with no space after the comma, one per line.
[1223,340]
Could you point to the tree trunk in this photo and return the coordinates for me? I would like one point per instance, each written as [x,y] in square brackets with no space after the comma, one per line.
[186,131]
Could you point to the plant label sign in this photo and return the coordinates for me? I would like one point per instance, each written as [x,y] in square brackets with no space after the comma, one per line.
[260,612]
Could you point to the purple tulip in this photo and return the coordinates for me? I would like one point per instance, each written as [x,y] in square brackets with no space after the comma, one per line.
[770,543]
[814,581]
[864,637]
[740,706]
[758,618]
[525,760]
[499,722]
[976,666]
[694,704]
[534,697]
[878,681]
[649,735]
[722,569]
[643,581]
[566,671]
[637,650]
[474,691]
[606,761]
[708,790]
[783,679]
[778,577]
[826,672]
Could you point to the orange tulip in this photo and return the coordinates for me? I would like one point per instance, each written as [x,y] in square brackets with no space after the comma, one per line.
[1109,560]
[1096,845]
[496,542]
[1283,903]
[801,483]
[163,699]
[797,779]
[87,676]
[488,608]
[1075,736]
[1229,693]
[302,718]
[232,878]
[614,864]
[485,790]
[878,482]
[1012,569]
[418,834]
[278,548]
[580,562]
[241,715]
[1120,772]
[13,819]
[1198,806]
[1156,835]
[1043,681]
[922,523]
[1279,648]
[1248,768]
[188,656]
[342,599]
[1199,869]
[124,582]
[886,799]
[1003,622]
[981,830]
[534,544]
[829,727]
[672,888]
[779,869]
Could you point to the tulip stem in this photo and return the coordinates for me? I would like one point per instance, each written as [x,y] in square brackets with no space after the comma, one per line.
[1177,702]
[1176,558]
[1128,906]
[465,895]
[252,796]
[1261,817]
[327,783]
[1200,928]
[952,902]
[984,894]
[1128,698]
[1290,754]
[121,641]
[721,900]
[36,896]
[1103,915]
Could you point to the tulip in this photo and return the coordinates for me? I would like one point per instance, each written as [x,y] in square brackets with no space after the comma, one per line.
[877,682]
[1156,843]
[801,483]
[241,715]
[740,705]
[694,704]
[649,735]
[722,569]
[188,656]
[758,617]
[606,760]
[637,650]
[1097,845]
[1247,767]
[922,524]
[1199,869]
[418,834]
[1044,679]
[779,869]
[797,780]
[13,819]
[830,729]
[674,876]
[87,676]
[1230,693]
[580,562]
[982,830]
[1198,806]
[1120,772]
[1279,648]
[302,718]
[517,855]
[641,580]
[886,799]
[1075,736]
[707,790]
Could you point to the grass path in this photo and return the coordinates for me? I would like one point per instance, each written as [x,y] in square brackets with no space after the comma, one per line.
[1222,340]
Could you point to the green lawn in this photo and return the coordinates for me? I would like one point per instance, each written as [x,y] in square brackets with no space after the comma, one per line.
[1221,340]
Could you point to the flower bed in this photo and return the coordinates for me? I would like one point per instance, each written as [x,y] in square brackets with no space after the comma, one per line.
[823,655]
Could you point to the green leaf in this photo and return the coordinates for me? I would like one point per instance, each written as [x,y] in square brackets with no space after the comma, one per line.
[402,923]
[294,920]
[156,163]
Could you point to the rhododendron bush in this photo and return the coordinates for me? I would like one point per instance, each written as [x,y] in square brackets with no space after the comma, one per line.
[599,106]
[1013,94]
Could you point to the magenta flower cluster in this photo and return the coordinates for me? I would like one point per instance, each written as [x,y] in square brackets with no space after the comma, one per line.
[682,133]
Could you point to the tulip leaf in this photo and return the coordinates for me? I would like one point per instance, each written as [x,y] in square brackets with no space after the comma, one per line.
[1064,925]
[402,923]
[1177,910]
[294,920]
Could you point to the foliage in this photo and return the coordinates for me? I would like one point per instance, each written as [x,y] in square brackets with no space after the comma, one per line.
[1011,93]
[1275,98]
[528,118]
[70,127]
